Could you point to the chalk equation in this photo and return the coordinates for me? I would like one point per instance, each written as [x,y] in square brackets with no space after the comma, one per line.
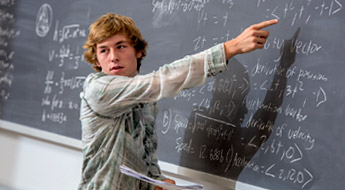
[7,34]
[225,109]
[53,96]
[64,55]
[301,10]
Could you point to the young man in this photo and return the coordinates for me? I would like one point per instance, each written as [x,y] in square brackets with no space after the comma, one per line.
[118,106]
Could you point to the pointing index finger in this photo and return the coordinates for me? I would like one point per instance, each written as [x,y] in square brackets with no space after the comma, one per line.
[265,24]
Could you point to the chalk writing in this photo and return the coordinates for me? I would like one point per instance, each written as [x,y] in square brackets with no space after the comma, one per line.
[66,56]
[297,46]
[300,177]
[216,106]
[44,20]
[303,11]
[55,87]
[7,34]
[186,147]
[293,153]
[56,117]
[171,6]
[67,32]
[186,94]
[6,17]
[7,3]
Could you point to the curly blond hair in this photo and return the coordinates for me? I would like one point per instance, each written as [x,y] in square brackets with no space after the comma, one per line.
[107,26]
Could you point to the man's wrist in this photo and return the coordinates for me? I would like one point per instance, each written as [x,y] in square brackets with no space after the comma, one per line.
[230,49]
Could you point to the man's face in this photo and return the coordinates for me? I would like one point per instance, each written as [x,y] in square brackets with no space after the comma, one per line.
[117,56]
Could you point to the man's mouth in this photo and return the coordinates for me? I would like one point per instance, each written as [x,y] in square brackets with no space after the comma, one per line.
[116,68]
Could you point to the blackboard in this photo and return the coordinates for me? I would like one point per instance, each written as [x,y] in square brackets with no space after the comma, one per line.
[275,119]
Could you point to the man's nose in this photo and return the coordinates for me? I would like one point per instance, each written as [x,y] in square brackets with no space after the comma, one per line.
[113,55]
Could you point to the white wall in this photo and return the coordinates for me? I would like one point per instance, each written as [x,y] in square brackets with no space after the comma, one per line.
[31,164]
[28,163]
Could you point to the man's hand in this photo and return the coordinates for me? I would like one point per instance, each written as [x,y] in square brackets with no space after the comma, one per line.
[165,180]
[250,39]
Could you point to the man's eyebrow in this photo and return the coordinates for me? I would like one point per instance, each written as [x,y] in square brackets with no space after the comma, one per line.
[121,42]
[117,43]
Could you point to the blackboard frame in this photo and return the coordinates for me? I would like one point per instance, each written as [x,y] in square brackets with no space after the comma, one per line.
[40,134]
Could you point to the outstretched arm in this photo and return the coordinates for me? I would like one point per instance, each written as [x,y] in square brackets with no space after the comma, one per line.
[250,39]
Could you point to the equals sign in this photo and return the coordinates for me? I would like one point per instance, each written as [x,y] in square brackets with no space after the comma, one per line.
[215,40]
[216,20]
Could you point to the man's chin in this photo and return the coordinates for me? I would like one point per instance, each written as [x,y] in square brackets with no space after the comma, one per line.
[115,73]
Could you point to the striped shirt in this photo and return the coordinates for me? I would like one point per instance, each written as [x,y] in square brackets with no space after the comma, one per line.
[118,118]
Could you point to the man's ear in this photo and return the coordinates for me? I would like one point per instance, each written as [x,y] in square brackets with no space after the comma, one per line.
[139,54]
[97,63]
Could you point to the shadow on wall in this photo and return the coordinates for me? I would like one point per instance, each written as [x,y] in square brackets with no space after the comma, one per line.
[227,144]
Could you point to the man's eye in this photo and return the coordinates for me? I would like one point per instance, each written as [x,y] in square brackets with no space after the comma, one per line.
[121,47]
[103,51]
